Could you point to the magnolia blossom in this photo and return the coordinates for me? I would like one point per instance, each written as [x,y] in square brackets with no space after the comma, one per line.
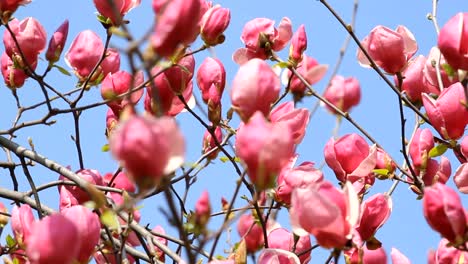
[298,45]
[296,119]
[116,9]
[453,41]
[391,50]
[213,24]
[57,42]
[118,83]
[344,93]
[260,36]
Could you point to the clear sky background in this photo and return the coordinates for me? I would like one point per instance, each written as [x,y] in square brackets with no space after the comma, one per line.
[378,112]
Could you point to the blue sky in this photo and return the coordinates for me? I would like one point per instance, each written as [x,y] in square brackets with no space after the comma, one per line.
[378,112]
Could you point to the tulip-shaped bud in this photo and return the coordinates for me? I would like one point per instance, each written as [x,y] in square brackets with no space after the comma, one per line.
[261,37]
[310,70]
[179,75]
[365,255]
[344,93]
[434,172]
[213,24]
[53,240]
[255,88]
[374,213]
[350,156]
[209,142]
[160,100]
[281,238]
[202,210]
[111,121]
[325,212]
[461,178]
[398,257]
[120,181]
[273,255]
[81,196]
[389,49]
[57,43]
[448,113]
[296,119]
[444,212]
[148,148]
[13,76]
[414,82]
[422,143]
[115,10]
[449,254]
[31,38]
[177,25]
[211,72]
[298,45]
[265,148]
[8,7]
[88,226]
[453,41]
[118,83]
[251,232]
[86,51]
[158,240]
[22,220]
[430,72]
[384,162]
[291,178]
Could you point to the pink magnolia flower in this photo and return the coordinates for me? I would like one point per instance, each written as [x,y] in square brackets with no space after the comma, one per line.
[213,24]
[203,209]
[446,254]
[31,37]
[414,82]
[118,83]
[435,171]
[444,212]
[350,157]
[260,36]
[310,70]
[374,213]
[398,257]
[296,119]
[422,143]
[157,251]
[148,148]
[53,240]
[325,212]
[179,75]
[254,88]
[86,51]
[447,113]
[116,10]
[121,181]
[281,238]
[344,93]
[209,142]
[22,220]
[211,73]
[161,100]
[81,196]
[430,72]
[461,178]
[57,42]
[251,232]
[277,256]
[298,45]
[8,7]
[265,148]
[177,24]
[291,178]
[88,227]
[13,76]
[368,256]
[453,41]
[390,50]
[384,161]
